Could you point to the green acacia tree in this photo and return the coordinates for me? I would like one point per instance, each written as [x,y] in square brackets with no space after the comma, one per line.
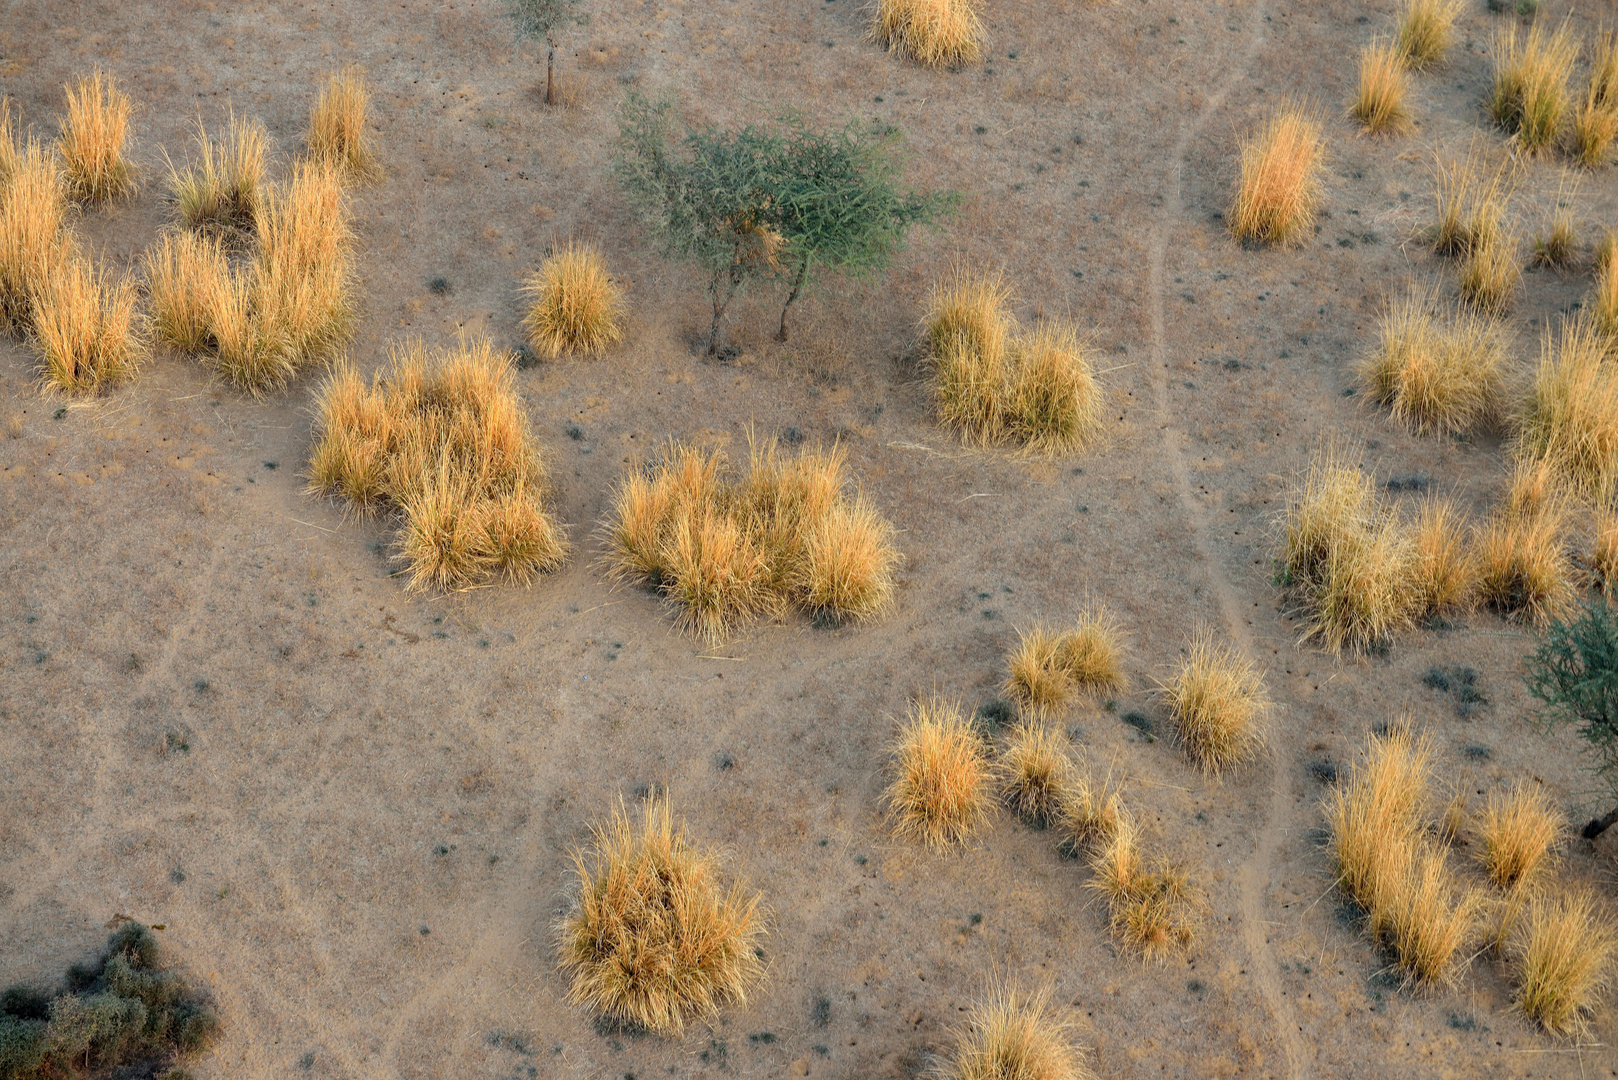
[1574,674]
[762,202]
[543,19]
[837,204]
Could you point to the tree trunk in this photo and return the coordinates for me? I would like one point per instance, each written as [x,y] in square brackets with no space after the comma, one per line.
[1600,825]
[550,75]
[797,288]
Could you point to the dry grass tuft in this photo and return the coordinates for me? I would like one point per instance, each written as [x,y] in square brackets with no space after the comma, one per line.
[1491,271]
[1438,372]
[1091,811]
[442,441]
[1280,184]
[1564,961]
[86,330]
[184,274]
[935,33]
[1558,246]
[33,237]
[1530,97]
[575,305]
[1335,501]
[337,127]
[1518,831]
[223,188]
[1471,210]
[1569,419]
[1605,300]
[1152,911]
[92,140]
[1595,125]
[655,939]
[1038,390]
[1523,571]
[1218,704]
[725,553]
[1014,1036]
[1379,100]
[942,791]
[1425,30]
[1432,918]
[1604,551]
[1047,666]
[1036,773]
[1444,568]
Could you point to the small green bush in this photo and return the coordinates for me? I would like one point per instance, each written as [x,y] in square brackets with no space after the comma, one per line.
[1574,673]
[121,1012]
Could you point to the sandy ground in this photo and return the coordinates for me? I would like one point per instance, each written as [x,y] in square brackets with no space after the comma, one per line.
[351,809]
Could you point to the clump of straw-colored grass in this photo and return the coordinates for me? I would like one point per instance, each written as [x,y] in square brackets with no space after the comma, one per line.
[33,234]
[994,385]
[1152,910]
[184,273]
[1595,125]
[337,126]
[1490,272]
[1426,28]
[441,441]
[1035,773]
[1379,99]
[1518,831]
[1523,568]
[86,330]
[1604,304]
[222,188]
[1437,371]
[1010,1035]
[1569,417]
[94,132]
[1471,210]
[574,304]
[1529,98]
[1048,667]
[655,939]
[1218,704]
[1563,959]
[1604,552]
[934,33]
[1444,568]
[943,781]
[1280,185]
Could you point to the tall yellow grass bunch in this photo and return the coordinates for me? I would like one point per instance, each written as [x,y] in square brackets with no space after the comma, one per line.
[86,329]
[1035,773]
[934,33]
[1218,704]
[1569,417]
[1471,207]
[442,441]
[1280,184]
[724,552]
[1445,568]
[1012,1035]
[993,384]
[655,939]
[185,272]
[574,305]
[1091,811]
[943,781]
[1491,270]
[33,234]
[1529,98]
[1426,28]
[223,186]
[1595,125]
[1604,303]
[1379,99]
[337,126]
[1604,552]
[94,132]
[1556,246]
[1437,371]
[1153,909]
[1518,830]
[1048,667]
[1563,956]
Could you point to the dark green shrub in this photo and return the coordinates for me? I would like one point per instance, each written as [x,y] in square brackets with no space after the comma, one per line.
[1574,674]
[119,1012]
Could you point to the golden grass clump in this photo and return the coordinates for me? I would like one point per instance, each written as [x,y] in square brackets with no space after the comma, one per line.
[1491,271]
[1280,185]
[1529,98]
[1048,667]
[1564,958]
[1091,811]
[934,33]
[1218,704]
[1425,30]
[655,938]
[1605,301]
[1558,246]
[1523,571]
[1035,773]
[1379,100]
[92,140]
[1036,389]
[337,126]
[1471,210]
[1595,125]
[1152,911]
[223,187]
[724,552]
[1444,567]
[33,236]
[1569,418]
[184,273]
[1014,1036]
[1432,918]
[442,441]
[1436,371]
[1604,551]
[86,329]
[1518,831]
[575,306]
[943,785]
